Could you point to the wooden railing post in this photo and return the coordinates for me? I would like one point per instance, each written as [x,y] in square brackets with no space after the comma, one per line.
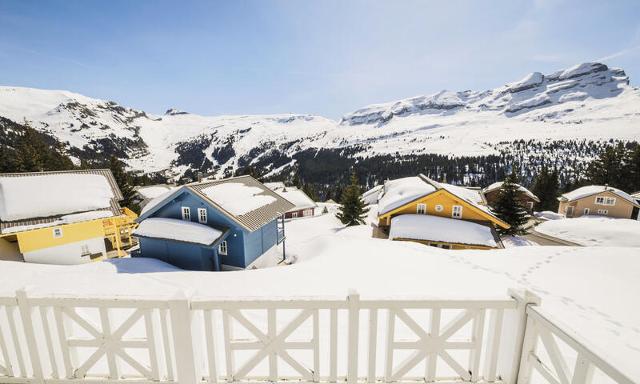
[524,299]
[353,301]
[27,325]
[179,310]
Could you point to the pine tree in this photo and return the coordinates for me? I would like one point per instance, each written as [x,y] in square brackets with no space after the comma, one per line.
[124,183]
[508,207]
[610,167]
[352,210]
[634,169]
[310,191]
[546,186]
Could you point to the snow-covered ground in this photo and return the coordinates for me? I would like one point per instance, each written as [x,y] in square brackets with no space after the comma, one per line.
[595,231]
[590,291]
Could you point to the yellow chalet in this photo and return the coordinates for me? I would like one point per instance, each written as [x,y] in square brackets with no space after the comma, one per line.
[438,214]
[62,217]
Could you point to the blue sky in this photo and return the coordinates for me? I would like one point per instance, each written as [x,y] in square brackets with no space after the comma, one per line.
[320,57]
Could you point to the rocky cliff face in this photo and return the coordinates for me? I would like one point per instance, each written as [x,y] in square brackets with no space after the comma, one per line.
[588,80]
[586,102]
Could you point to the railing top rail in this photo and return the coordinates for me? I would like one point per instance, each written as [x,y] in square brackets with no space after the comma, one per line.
[582,347]
[113,302]
[8,300]
[387,303]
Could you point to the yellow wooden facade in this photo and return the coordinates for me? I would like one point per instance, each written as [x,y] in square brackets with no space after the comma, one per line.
[447,201]
[40,238]
[117,229]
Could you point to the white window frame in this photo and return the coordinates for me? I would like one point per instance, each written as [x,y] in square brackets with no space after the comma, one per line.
[186,213]
[294,215]
[57,233]
[586,211]
[603,212]
[223,248]
[439,208]
[202,215]
[605,200]
[453,211]
[421,209]
[307,212]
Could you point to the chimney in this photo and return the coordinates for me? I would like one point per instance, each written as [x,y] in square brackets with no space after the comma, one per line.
[199,176]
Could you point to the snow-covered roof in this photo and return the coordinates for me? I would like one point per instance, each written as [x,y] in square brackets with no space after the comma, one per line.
[243,199]
[435,228]
[153,191]
[275,185]
[297,197]
[471,195]
[371,196]
[498,185]
[43,198]
[238,198]
[590,190]
[399,192]
[180,230]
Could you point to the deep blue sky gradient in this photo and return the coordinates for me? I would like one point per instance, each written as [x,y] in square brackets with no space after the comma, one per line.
[322,57]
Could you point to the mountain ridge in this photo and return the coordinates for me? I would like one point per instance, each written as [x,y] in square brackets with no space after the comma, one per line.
[589,101]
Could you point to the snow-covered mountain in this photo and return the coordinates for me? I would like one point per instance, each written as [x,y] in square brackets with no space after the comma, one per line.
[588,101]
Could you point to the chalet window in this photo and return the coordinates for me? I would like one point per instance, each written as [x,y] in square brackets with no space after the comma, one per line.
[586,211]
[222,248]
[603,212]
[605,200]
[422,209]
[202,215]
[439,208]
[294,214]
[456,211]
[307,212]
[57,233]
[186,213]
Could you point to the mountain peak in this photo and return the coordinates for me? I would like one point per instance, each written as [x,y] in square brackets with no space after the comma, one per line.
[175,111]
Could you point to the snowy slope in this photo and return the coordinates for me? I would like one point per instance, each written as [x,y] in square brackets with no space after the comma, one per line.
[148,142]
[588,101]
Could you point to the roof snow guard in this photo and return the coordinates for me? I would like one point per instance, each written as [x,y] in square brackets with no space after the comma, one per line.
[39,199]
[244,199]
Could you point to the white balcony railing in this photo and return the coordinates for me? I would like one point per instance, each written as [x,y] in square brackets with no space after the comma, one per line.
[113,340]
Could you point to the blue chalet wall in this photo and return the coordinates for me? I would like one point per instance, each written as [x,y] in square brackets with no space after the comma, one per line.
[183,255]
[260,241]
[243,246]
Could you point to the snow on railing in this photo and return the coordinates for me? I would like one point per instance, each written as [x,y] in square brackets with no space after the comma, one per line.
[555,356]
[61,340]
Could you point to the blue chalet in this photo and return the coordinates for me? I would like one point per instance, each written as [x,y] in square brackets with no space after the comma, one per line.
[213,225]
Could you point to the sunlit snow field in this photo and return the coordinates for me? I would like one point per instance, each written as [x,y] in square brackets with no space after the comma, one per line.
[591,291]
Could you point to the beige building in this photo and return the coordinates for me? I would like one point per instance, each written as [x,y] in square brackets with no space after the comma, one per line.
[598,200]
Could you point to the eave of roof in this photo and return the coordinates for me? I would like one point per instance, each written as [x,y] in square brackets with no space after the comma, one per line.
[225,233]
